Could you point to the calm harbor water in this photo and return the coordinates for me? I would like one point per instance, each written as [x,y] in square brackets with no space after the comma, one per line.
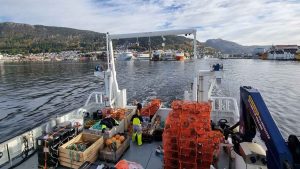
[31,93]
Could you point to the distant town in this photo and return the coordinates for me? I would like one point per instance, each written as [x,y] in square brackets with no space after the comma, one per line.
[61,56]
[275,52]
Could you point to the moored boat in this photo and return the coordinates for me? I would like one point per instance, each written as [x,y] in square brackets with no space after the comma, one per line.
[168,55]
[125,56]
[157,55]
[179,56]
[143,56]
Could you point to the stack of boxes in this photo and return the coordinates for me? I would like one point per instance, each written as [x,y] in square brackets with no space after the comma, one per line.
[189,142]
[47,145]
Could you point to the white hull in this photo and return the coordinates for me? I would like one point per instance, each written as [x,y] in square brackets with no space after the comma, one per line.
[125,56]
[168,56]
[143,56]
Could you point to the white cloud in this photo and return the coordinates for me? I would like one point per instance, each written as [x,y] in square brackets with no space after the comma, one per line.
[243,21]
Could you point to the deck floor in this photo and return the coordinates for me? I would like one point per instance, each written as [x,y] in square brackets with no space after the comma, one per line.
[144,155]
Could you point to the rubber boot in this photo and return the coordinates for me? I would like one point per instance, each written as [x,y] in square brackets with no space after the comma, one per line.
[133,137]
[139,139]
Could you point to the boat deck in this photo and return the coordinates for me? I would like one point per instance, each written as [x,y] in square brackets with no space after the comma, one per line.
[144,155]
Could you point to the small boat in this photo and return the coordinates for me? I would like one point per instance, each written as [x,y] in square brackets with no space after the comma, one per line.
[46,59]
[179,56]
[125,56]
[58,58]
[143,56]
[157,55]
[168,55]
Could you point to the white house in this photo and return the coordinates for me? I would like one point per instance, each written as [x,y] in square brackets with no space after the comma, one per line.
[280,55]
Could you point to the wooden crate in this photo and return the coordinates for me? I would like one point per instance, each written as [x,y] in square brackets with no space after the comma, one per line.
[78,157]
[108,134]
[114,156]
[127,119]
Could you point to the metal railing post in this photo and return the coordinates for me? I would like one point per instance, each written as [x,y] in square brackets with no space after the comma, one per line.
[8,155]
[96,97]
[101,99]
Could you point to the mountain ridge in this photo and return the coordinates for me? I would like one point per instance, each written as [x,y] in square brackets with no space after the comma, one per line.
[229,47]
[20,38]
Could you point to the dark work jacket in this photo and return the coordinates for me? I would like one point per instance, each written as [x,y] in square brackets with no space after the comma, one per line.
[135,115]
[109,122]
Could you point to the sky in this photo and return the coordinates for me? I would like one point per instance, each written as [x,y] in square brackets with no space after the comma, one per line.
[248,22]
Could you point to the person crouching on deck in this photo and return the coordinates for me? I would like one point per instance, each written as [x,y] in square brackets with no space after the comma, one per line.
[137,125]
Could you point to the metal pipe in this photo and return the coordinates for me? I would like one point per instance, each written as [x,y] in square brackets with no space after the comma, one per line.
[107,50]
[151,34]
[195,44]
[96,98]
[227,104]
[8,155]
[88,100]
[101,99]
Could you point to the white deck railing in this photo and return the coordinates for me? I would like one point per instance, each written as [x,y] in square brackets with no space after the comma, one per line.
[225,108]
[98,98]
[13,148]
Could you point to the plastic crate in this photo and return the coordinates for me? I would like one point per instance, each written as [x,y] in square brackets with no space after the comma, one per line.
[202,130]
[189,118]
[207,156]
[170,146]
[189,133]
[196,141]
[170,140]
[187,158]
[173,127]
[173,131]
[175,114]
[145,112]
[188,143]
[173,119]
[186,165]
[171,162]
[204,165]
[170,167]
[189,107]
[208,147]
[176,105]
[171,154]
[188,152]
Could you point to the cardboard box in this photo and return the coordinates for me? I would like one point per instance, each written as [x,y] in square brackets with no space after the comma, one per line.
[74,159]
